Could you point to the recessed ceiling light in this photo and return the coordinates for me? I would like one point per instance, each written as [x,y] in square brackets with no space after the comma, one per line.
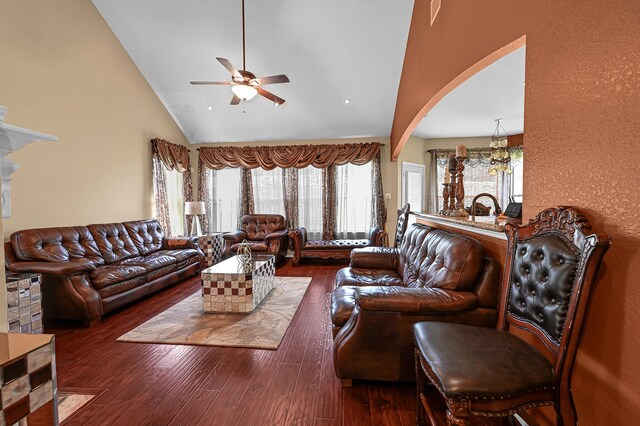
[276,104]
[209,107]
[347,101]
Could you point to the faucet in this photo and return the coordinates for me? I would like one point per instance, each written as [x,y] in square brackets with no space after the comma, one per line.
[498,210]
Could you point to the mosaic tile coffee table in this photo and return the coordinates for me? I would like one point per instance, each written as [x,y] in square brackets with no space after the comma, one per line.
[226,288]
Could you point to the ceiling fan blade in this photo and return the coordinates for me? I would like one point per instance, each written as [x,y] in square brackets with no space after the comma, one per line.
[235,100]
[234,72]
[270,96]
[225,83]
[274,79]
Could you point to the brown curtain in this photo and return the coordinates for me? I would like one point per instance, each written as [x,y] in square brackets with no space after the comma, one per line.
[246,194]
[379,211]
[329,203]
[298,156]
[290,158]
[172,157]
[205,195]
[290,191]
[160,201]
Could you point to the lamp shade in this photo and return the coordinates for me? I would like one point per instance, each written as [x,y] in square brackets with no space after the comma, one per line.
[194,207]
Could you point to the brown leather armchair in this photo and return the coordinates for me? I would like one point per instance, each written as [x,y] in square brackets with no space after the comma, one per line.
[433,276]
[265,234]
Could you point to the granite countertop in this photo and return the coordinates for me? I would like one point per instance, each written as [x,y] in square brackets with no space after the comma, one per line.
[481,222]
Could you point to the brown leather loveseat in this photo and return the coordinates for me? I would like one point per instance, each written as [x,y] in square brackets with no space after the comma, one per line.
[433,276]
[265,234]
[91,270]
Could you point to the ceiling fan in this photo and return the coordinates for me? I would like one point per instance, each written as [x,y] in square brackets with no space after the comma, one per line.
[245,85]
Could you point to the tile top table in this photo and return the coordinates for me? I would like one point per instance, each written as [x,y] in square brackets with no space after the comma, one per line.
[227,288]
[211,245]
[27,375]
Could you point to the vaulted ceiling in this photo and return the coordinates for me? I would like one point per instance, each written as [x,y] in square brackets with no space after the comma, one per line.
[331,50]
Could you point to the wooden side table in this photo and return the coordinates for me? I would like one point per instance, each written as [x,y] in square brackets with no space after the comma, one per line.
[27,375]
[211,245]
[25,303]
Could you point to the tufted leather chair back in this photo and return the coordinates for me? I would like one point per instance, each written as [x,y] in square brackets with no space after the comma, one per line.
[551,266]
[435,258]
[147,235]
[56,245]
[401,227]
[258,226]
[543,274]
[113,241]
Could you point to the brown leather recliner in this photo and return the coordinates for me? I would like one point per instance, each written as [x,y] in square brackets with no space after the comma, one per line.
[433,276]
[90,270]
[265,234]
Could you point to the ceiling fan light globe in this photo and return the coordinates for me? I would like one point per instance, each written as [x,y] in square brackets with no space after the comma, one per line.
[244,92]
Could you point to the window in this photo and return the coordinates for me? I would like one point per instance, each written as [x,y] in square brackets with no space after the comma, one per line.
[477,178]
[175,199]
[413,180]
[354,192]
[310,201]
[515,180]
[224,187]
[267,191]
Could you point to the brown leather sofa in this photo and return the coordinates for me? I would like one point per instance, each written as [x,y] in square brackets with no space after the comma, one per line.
[91,270]
[433,276]
[265,234]
[331,249]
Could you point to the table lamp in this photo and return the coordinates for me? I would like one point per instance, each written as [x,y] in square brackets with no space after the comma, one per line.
[194,208]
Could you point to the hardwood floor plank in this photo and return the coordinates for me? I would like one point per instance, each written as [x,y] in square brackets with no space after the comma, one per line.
[227,408]
[329,404]
[327,422]
[178,384]
[221,372]
[356,410]
[382,404]
[406,400]
[169,395]
[277,406]
[140,393]
[194,408]
[305,394]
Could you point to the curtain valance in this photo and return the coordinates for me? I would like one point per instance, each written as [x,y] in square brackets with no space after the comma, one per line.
[475,156]
[173,156]
[298,156]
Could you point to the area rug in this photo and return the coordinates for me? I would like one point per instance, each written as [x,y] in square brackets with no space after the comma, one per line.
[185,323]
[70,402]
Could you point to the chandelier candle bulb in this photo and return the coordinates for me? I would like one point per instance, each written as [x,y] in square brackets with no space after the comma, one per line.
[461,151]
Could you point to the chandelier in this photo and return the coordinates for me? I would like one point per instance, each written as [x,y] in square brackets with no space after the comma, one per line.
[500,157]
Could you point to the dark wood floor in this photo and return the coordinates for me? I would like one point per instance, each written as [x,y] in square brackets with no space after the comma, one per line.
[178,384]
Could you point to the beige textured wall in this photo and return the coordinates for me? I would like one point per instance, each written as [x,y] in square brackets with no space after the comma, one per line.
[65,73]
[390,170]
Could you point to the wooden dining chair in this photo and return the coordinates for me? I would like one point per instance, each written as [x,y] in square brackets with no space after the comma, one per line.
[401,226]
[550,273]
